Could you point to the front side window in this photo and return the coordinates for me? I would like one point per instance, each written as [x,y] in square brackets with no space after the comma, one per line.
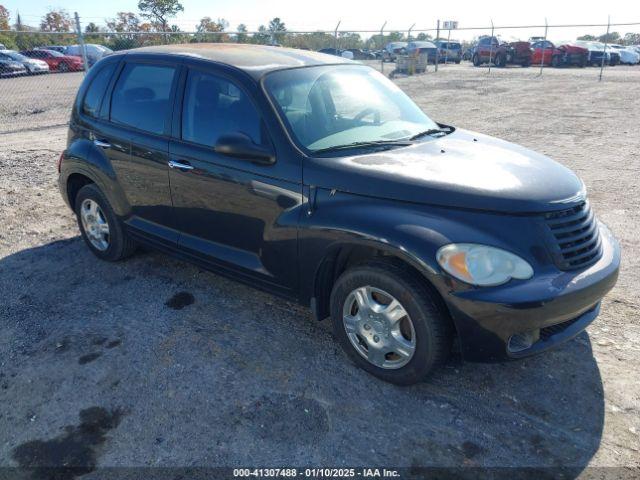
[331,106]
[95,92]
[213,107]
[141,97]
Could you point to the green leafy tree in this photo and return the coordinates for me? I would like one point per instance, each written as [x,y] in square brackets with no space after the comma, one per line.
[91,28]
[158,12]
[612,37]
[589,38]
[124,22]
[262,36]
[631,38]
[277,30]
[56,21]
[241,36]
[423,37]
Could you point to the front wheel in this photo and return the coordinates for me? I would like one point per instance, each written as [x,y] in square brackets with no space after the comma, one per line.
[476,60]
[99,226]
[63,67]
[500,61]
[389,322]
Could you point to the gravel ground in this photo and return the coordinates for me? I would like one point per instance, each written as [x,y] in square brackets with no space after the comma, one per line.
[154,362]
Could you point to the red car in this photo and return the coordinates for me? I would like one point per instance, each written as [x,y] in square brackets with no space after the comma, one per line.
[547,53]
[57,61]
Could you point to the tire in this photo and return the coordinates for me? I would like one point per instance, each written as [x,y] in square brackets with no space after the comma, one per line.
[526,64]
[63,67]
[428,328]
[458,61]
[476,60]
[500,61]
[555,61]
[118,243]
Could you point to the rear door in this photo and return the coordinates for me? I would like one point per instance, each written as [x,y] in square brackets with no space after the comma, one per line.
[237,216]
[136,140]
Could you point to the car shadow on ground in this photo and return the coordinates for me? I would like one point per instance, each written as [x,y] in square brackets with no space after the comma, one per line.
[200,370]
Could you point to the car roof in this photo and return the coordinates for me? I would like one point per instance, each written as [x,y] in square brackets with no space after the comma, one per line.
[255,60]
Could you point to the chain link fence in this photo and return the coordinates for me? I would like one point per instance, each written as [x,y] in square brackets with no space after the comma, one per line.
[37,98]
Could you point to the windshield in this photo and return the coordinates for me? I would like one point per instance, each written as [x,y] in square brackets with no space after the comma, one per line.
[53,53]
[14,56]
[331,106]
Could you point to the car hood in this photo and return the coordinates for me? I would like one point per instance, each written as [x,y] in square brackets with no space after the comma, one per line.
[462,170]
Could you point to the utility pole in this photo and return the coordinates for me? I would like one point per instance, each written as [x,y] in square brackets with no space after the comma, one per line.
[544,48]
[383,46]
[491,46]
[409,32]
[81,41]
[604,53]
[335,35]
[437,49]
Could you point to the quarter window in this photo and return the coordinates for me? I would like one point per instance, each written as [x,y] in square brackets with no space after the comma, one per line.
[141,97]
[93,98]
[214,107]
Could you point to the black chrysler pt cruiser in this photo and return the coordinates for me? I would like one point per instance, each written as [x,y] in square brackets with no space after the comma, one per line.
[317,179]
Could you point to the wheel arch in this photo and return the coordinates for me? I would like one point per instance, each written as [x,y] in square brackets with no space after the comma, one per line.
[342,255]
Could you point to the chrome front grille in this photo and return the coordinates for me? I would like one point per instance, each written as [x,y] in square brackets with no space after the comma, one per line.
[575,237]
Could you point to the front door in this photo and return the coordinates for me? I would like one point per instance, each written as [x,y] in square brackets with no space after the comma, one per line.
[233,214]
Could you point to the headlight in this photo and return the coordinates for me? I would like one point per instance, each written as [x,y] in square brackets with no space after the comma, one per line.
[482,265]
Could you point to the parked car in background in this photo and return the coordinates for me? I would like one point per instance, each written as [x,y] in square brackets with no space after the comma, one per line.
[427,50]
[11,68]
[319,180]
[467,55]
[491,49]
[359,54]
[596,52]
[450,51]
[32,65]
[56,60]
[628,56]
[614,56]
[546,53]
[392,50]
[57,48]
[94,52]
[331,51]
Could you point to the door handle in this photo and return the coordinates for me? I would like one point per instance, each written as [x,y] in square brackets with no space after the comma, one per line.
[179,165]
[101,143]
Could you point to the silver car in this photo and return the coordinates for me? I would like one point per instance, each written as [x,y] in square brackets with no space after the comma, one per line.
[33,66]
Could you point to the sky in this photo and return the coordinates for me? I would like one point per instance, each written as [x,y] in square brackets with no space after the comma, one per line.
[367,15]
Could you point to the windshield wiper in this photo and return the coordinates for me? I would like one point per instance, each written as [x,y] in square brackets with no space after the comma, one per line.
[431,131]
[372,143]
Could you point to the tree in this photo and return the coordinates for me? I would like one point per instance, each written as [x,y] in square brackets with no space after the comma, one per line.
[4,18]
[18,26]
[207,25]
[276,30]
[160,11]
[631,38]
[125,22]
[242,36]
[91,28]
[612,37]
[589,38]
[423,37]
[56,21]
[262,36]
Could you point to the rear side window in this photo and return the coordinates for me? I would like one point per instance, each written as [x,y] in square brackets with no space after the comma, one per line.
[214,107]
[95,92]
[141,96]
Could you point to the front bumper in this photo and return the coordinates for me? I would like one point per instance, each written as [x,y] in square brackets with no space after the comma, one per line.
[548,309]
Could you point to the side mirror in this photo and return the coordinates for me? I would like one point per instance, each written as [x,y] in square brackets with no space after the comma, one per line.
[238,145]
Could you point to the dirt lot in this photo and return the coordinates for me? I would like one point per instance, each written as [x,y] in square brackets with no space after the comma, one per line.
[153,362]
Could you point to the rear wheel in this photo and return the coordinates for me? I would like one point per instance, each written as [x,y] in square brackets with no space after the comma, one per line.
[555,61]
[500,60]
[63,67]
[476,60]
[389,323]
[99,226]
